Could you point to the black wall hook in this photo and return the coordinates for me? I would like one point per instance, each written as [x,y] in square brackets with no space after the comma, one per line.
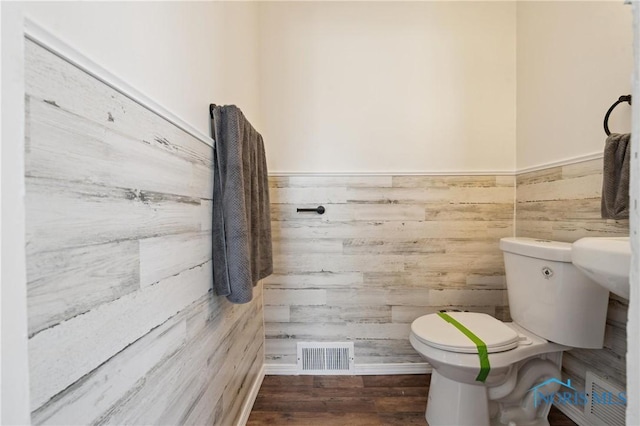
[621,99]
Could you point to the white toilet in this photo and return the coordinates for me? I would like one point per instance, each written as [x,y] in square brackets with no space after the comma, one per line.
[484,369]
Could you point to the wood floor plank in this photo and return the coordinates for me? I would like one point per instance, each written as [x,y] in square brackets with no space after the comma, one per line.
[557,418]
[403,419]
[401,380]
[349,400]
[287,381]
[314,419]
[285,393]
[377,392]
[311,403]
[401,404]
[338,382]
[294,404]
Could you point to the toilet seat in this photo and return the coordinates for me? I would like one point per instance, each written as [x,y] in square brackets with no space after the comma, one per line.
[436,332]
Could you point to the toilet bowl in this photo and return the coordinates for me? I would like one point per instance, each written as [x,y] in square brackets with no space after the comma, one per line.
[483,368]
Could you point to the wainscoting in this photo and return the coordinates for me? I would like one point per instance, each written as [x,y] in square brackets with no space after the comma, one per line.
[123,326]
[387,250]
[563,204]
[392,248]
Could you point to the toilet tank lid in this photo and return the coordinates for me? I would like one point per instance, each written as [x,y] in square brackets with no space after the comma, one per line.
[538,248]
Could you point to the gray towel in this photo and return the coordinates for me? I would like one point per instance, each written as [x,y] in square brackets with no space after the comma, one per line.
[615,177]
[241,219]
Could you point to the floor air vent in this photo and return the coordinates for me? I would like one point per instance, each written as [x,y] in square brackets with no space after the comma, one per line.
[326,358]
[604,406]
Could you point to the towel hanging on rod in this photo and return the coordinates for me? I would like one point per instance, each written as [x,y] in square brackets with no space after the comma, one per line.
[241,222]
[620,100]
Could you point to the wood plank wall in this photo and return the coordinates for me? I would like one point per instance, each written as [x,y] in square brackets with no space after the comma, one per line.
[563,204]
[123,327]
[387,250]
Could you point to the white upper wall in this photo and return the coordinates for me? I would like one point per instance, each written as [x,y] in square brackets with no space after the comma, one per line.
[399,86]
[183,55]
[574,59]
[374,86]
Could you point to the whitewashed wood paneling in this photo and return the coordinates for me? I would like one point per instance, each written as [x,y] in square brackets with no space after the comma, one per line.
[165,256]
[575,188]
[445,229]
[393,246]
[96,154]
[64,214]
[315,245]
[65,283]
[313,280]
[297,181]
[379,297]
[563,204]
[124,327]
[59,356]
[193,382]
[387,250]
[459,297]
[431,181]
[206,215]
[307,195]
[276,313]
[459,262]
[338,263]
[295,297]
[409,313]
[341,313]
[54,80]
[473,211]
[98,392]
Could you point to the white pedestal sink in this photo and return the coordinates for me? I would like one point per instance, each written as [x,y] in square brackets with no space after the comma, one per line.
[606,261]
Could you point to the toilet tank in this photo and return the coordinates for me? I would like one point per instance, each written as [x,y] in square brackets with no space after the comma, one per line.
[550,297]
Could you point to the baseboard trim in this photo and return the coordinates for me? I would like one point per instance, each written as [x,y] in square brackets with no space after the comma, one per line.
[574,413]
[280,370]
[247,405]
[360,369]
[383,369]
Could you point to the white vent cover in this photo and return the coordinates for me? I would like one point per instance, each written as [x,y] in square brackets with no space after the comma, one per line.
[595,411]
[325,358]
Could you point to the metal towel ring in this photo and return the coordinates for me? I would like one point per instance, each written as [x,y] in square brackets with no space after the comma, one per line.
[620,100]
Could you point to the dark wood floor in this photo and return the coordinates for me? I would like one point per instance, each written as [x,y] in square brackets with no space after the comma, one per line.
[349,400]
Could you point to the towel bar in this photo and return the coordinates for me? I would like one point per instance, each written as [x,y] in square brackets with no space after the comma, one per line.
[319,210]
[620,100]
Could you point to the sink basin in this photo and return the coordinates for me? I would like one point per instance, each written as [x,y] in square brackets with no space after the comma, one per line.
[606,261]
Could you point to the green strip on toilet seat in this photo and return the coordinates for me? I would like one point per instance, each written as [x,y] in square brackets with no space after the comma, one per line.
[483,354]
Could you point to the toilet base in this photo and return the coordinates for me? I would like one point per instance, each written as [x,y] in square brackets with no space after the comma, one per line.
[511,403]
[446,395]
